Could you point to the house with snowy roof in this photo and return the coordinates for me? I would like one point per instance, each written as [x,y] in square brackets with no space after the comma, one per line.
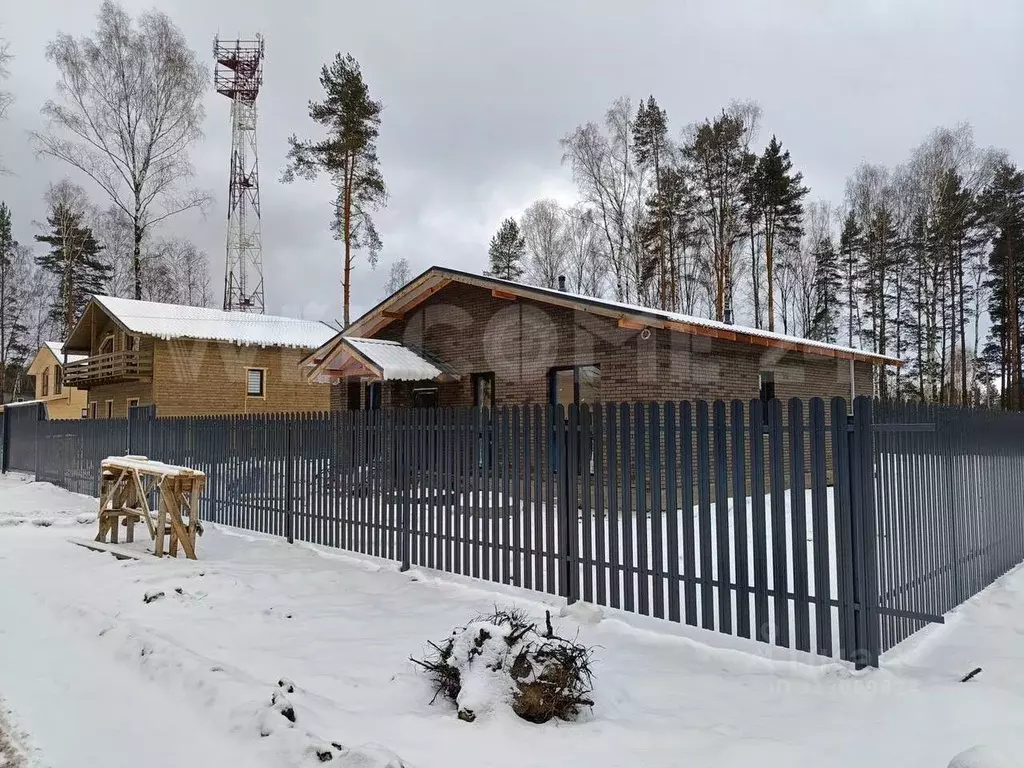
[452,338]
[47,369]
[190,361]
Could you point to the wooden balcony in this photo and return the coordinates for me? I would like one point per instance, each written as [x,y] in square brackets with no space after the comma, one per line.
[109,368]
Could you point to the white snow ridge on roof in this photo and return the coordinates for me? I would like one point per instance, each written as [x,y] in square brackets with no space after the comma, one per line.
[396,362]
[57,348]
[172,321]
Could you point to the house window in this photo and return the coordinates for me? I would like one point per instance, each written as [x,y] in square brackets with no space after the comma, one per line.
[58,380]
[46,382]
[254,382]
[766,380]
[133,402]
[131,343]
[424,398]
[110,409]
[373,395]
[107,346]
[92,410]
[575,384]
[483,390]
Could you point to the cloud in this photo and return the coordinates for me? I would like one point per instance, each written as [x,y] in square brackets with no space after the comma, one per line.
[477,96]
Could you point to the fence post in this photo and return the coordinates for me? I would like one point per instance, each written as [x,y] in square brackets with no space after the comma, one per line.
[403,418]
[863,544]
[289,493]
[5,441]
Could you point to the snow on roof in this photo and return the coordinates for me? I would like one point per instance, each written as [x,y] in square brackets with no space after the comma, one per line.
[680,318]
[395,361]
[173,321]
[57,348]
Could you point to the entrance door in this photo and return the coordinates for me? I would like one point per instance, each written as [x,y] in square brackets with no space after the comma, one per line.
[575,385]
[355,391]
[424,398]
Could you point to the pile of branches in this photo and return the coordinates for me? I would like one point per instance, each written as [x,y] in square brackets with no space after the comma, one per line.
[505,658]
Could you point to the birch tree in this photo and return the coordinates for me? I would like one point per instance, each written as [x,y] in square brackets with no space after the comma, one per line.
[543,227]
[129,107]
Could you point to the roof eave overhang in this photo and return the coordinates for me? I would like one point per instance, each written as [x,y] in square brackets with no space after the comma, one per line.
[436,278]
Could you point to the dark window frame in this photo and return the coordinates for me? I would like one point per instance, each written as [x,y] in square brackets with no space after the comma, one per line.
[263,382]
[766,393]
[475,380]
[553,381]
[374,396]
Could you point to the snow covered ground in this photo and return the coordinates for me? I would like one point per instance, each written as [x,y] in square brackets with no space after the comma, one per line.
[95,676]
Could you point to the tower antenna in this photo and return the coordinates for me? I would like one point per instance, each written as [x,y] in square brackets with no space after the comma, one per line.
[238,74]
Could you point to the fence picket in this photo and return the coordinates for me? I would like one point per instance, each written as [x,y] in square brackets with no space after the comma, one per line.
[707,598]
[798,524]
[723,541]
[739,497]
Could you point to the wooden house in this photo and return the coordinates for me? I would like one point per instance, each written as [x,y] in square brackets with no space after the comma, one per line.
[191,361]
[47,369]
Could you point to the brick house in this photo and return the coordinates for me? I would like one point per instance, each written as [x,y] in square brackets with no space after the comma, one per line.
[47,369]
[451,338]
[190,361]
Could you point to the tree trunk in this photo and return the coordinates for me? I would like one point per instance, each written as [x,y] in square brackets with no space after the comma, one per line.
[347,230]
[962,320]
[753,278]
[137,258]
[769,265]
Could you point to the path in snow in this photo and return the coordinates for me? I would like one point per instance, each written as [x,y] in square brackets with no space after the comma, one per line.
[84,708]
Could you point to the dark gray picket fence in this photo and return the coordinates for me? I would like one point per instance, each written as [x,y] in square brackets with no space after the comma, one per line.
[803,524]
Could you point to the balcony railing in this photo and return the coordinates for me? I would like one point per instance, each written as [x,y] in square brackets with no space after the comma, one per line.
[108,368]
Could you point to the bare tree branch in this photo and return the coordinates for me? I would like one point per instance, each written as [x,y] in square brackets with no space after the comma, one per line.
[128,108]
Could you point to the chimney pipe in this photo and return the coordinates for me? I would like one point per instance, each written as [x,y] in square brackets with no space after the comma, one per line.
[561,283]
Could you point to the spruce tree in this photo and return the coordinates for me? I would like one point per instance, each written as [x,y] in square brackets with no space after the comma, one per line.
[780,194]
[348,156]
[828,283]
[75,263]
[507,250]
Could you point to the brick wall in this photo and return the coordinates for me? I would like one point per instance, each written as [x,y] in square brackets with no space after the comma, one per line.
[520,341]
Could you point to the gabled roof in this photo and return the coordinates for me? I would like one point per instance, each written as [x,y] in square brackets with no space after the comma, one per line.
[627,315]
[57,348]
[387,361]
[173,321]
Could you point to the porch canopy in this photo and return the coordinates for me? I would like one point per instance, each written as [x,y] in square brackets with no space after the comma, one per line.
[381,360]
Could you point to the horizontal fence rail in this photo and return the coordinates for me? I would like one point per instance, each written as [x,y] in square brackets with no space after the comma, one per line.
[812,525]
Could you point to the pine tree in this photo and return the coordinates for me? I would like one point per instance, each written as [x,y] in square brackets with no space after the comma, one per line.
[1002,204]
[669,225]
[348,155]
[851,245]
[716,154]
[507,250]
[828,283]
[651,149]
[780,196]
[882,249]
[74,261]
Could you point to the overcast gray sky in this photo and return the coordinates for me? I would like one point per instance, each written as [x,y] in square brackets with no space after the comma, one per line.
[477,95]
